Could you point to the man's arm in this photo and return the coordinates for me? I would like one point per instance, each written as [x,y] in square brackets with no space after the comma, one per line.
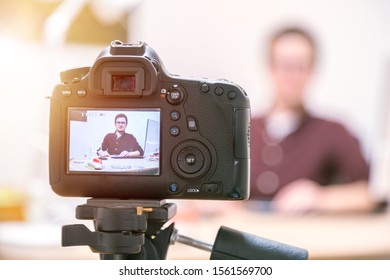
[304,196]
[133,149]
[103,150]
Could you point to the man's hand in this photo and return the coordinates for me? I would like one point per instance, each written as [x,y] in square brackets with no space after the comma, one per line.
[298,197]
[130,154]
[302,196]
[103,153]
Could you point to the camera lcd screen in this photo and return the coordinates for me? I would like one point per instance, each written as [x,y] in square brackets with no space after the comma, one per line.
[119,141]
[123,83]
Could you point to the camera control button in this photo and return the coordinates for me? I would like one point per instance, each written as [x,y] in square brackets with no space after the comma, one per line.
[173,187]
[232,95]
[66,92]
[191,124]
[218,91]
[175,131]
[210,188]
[81,92]
[175,115]
[205,88]
[175,97]
[190,159]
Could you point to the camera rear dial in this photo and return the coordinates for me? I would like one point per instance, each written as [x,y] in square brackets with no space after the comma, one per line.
[191,160]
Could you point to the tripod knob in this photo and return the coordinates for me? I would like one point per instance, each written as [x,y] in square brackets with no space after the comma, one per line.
[231,244]
[98,241]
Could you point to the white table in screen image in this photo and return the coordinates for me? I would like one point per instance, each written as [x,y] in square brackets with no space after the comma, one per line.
[125,165]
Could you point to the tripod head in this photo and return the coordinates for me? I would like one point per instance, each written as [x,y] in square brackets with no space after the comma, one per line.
[141,230]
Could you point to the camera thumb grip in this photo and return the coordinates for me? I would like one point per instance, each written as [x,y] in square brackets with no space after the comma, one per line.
[231,244]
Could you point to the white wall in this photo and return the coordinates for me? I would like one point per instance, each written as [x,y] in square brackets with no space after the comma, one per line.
[28,73]
[226,38]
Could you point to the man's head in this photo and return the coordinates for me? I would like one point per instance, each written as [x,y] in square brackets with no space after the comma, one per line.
[120,122]
[291,61]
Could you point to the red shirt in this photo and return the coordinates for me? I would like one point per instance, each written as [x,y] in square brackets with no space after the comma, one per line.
[319,150]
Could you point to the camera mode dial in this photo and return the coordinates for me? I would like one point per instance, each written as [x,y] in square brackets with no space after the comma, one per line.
[191,159]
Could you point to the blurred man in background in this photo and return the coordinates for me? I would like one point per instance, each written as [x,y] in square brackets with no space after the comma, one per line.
[302,163]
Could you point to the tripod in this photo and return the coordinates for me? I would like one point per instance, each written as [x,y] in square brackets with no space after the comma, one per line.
[140,230]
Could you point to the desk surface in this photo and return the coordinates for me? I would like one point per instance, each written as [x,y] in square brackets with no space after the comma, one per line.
[121,165]
[363,236]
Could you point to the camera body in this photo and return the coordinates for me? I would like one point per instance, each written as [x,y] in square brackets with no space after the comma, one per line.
[192,136]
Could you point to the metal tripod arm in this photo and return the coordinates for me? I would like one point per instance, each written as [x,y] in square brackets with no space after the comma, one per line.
[176,237]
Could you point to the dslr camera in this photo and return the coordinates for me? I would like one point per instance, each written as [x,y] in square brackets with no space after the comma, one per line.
[125,128]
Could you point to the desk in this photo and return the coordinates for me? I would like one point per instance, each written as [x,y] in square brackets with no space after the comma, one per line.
[125,165]
[25,241]
[363,236]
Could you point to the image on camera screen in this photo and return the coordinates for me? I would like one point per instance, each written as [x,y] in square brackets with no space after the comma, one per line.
[119,141]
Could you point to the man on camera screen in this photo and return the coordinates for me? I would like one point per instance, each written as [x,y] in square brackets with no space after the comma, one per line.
[120,143]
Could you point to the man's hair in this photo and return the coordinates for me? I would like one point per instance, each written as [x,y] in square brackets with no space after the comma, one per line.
[287,31]
[121,116]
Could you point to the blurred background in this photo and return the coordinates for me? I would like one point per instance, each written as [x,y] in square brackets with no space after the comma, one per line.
[214,39]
